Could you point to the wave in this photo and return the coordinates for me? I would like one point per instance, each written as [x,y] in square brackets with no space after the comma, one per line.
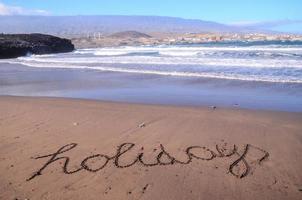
[109,53]
[218,75]
[185,48]
[175,51]
[179,53]
[249,63]
[238,62]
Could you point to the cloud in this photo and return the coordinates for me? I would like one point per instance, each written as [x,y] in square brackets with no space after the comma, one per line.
[16,10]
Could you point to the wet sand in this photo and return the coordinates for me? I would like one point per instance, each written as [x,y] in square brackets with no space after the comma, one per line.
[55,148]
[152,89]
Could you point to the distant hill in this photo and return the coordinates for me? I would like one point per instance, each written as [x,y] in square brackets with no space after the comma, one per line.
[130,34]
[81,25]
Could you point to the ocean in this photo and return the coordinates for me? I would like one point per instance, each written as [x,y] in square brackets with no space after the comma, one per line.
[272,61]
[253,75]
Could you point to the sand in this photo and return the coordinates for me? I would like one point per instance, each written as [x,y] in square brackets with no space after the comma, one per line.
[55,148]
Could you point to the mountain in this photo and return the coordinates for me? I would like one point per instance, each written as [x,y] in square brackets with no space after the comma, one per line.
[106,24]
[130,34]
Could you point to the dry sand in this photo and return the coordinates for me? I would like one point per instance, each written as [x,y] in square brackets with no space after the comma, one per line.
[105,142]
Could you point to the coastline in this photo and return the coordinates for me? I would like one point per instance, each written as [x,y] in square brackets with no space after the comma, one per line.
[150,100]
[19,80]
[37,126]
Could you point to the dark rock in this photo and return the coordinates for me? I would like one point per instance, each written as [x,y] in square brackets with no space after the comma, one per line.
[15,45]
[213,107]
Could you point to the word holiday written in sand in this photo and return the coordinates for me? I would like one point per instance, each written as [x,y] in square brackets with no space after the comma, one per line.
[97,162]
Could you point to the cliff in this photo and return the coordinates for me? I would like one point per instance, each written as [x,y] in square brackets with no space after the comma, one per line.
[15,45]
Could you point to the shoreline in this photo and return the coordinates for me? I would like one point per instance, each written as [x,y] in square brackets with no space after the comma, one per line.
[20,80]
[129,151]
[146,104]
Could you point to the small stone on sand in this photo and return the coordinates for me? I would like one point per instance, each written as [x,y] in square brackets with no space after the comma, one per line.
[142,125]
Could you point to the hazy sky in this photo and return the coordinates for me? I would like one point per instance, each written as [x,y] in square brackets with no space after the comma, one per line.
[225,11]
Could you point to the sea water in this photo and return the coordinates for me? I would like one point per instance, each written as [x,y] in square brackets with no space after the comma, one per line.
[257,75]
[273,61]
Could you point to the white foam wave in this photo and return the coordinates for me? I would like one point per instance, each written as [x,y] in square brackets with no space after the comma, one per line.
[265,63]
[179,53]
[218,75]
[238,62]
[109,53]
[176,51]
[189,49]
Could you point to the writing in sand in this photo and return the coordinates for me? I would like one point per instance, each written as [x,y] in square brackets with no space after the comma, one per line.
[97,162]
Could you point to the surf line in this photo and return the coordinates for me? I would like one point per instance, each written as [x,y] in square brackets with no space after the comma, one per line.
[163,158]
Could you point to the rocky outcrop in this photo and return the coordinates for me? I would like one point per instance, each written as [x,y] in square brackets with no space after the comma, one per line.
[15,45]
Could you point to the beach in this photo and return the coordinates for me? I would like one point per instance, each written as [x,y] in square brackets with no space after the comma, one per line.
[60,148]
[212,121]
[150,100]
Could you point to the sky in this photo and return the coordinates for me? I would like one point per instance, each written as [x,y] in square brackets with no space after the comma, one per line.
[282,13]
